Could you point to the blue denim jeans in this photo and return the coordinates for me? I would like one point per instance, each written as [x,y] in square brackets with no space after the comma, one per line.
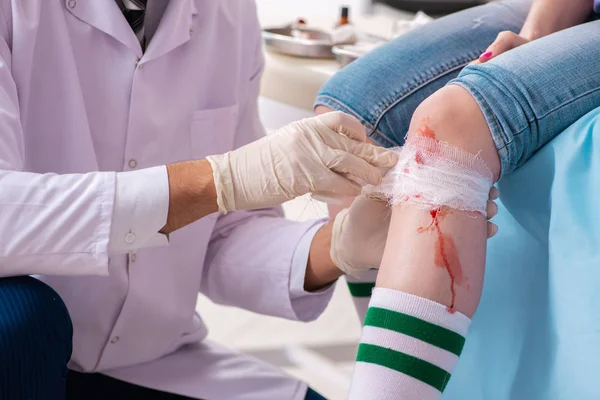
[527,95]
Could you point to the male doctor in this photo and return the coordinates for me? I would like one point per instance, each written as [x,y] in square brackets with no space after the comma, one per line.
[88,87]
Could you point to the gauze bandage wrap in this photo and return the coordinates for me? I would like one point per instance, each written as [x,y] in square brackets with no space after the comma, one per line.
[434,174]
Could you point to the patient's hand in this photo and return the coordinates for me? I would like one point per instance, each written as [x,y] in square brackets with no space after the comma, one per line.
[360,233]
[505,41]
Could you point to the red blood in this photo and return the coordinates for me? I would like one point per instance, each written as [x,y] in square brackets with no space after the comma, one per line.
[424,130]
[406,170]
[419,158]
[446,254]
[435,214]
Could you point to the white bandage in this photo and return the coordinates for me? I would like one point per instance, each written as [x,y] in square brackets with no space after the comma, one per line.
[434,174]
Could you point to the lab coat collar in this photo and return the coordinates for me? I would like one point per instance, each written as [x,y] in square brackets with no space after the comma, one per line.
[106,16]
[175,28]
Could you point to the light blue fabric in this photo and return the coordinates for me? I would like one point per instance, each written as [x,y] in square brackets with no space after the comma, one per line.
[536,334]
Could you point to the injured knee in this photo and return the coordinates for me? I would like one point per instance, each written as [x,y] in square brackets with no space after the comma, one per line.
[435,174]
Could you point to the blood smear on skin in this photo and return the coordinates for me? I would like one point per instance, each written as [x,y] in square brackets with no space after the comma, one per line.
[424,130]
[445,254]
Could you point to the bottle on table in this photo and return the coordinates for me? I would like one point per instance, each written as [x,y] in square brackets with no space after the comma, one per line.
[344,17]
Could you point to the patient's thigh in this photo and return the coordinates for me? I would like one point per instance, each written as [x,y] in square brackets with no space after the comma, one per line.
[383,88]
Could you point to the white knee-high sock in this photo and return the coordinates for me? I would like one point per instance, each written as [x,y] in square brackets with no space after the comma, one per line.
[360,289]
[409,348]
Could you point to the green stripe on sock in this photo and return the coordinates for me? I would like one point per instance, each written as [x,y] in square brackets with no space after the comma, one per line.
[415,327]
[361,289]
[409,365]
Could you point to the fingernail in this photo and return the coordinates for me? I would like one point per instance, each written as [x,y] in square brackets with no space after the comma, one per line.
[485,55]
[494,230]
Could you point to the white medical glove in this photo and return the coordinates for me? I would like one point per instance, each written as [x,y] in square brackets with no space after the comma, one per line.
[360,232]
[327,155]
[359,235]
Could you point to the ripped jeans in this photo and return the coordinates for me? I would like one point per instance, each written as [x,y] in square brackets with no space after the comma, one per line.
[527,95]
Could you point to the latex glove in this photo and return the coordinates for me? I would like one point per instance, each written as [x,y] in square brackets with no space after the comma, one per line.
[359,235]
[327,155]
[360,232]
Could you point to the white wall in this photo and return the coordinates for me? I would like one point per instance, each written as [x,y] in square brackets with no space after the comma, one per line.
[292,9]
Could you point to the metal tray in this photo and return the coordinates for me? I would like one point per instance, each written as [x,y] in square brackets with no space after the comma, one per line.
[344,55]
[300,42]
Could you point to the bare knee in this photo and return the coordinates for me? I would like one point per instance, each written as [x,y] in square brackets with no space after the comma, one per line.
[452,115]
[322,110]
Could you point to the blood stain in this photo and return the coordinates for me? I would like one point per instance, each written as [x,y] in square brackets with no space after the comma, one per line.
[424,129]
[446,254]
[419,158]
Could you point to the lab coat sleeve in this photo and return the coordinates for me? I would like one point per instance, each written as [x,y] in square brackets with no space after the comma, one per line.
[257,259]
[59,224]
[140,211]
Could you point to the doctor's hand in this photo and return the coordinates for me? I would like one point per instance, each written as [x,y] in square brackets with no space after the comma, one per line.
[327,155]
[360,233]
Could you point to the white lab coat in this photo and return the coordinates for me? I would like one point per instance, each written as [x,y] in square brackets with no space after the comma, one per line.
[78,96]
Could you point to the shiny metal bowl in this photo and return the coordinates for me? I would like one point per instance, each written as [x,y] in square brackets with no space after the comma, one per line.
[344,55]
[300,42]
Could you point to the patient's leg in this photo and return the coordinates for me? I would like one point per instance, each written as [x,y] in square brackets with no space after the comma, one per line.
[451,116]
[430,280]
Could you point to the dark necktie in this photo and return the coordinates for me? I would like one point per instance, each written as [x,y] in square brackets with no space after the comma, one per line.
[134,12]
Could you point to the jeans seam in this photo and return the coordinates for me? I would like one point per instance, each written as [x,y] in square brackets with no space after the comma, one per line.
[349,110]
[411,89]
[565,104]
[381,137]
[539,118]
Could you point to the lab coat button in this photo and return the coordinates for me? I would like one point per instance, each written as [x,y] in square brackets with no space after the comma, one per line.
[132,257]
[114,340]
[191,31]
[72,3]
[140,65]
[132,163]
[129,238]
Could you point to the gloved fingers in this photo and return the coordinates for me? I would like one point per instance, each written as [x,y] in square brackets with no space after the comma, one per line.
[341,131]
[338,186]
[492,229]
[491,209]
[494,193]
[371,209]
[344,124]
[377,156]
[352,167]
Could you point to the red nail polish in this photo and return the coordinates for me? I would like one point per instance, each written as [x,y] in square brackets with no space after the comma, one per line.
[486,55]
